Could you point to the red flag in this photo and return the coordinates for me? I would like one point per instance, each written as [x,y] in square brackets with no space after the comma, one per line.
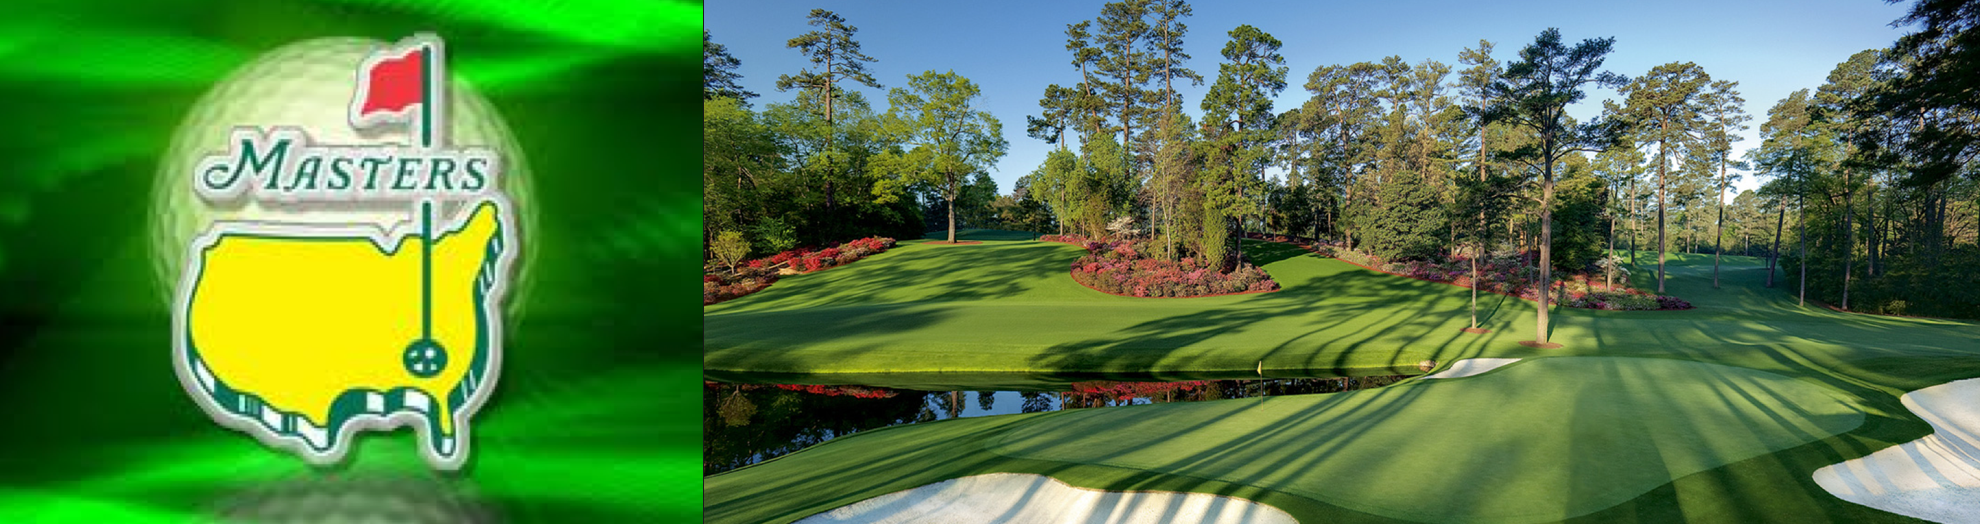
[393,84]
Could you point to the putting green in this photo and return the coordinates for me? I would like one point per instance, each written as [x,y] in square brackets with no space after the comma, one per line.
[1536,441]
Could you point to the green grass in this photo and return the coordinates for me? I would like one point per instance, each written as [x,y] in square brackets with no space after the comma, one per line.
[1719,413]
[981,234]
[1012,307]
[1498,447]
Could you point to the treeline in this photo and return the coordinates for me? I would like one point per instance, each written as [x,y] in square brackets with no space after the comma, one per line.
[1870,175]
[1873,173]
[828,166]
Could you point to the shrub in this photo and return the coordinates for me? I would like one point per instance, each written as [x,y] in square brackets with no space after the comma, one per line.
[775,235]
[757,274]
[1118,269]
[729,248]
[1508,275]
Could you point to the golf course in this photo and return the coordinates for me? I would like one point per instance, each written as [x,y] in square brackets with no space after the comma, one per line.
[1720,413]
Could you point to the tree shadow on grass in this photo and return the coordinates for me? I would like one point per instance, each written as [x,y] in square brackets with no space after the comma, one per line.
[1331,323]
[917,273]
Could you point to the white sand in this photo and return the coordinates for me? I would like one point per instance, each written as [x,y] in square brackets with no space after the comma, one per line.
[1935,478]
[1017,497]
[1470,366]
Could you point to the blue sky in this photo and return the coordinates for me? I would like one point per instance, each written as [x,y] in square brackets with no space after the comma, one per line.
[1014,49]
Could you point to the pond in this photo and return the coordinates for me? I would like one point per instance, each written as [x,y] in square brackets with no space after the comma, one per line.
[750,419]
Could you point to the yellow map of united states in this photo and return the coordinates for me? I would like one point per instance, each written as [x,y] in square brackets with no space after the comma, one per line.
[302,340]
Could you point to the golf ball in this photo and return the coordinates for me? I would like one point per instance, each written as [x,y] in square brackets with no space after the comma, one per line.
[309,85]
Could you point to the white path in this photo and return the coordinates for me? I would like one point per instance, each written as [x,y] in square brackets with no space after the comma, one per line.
[1935,478]
[1015,497]
[1470,366]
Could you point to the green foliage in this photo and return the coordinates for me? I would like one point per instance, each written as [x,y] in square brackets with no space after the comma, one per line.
[1238,110]
[832,50]
[1940,73]
[719,78]
[1580,226]
[1172,185]
[1102,188]
[1123,65]
[946,135]
[1165,49]
[1215,243]
[974,203]
[774,235]
[1410,224]
[729,248]
[736,148]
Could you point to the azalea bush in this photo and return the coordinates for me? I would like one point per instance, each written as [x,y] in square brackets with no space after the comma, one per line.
[1105,391]
[1121,268]
[716,287]
[754,275]
[835,391]
[1511,276]
[805,260]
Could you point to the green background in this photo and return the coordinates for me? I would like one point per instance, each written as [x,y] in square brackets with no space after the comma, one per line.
[594,417]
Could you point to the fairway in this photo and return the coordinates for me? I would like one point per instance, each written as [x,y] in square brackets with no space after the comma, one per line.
[1718,413]
[1011,306]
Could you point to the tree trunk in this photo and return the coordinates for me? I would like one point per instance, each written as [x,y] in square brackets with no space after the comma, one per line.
[1718,230]
[1608,258]
[1849,234]
[952,219]
[1546,237]
[1634,232]
[1663,161]
[1546,250]
[1801,228]
[1781,224]
[1480,241]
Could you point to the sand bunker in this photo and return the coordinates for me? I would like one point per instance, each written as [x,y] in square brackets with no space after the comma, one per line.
[1017,497]
[1935,478]
[1471,366]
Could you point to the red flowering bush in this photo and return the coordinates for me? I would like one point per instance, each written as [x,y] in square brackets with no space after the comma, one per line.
[1065,239]
[754,275]
[835,391]
[1118,269]
[716,288]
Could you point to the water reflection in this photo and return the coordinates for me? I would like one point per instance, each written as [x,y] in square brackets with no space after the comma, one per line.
[745,424]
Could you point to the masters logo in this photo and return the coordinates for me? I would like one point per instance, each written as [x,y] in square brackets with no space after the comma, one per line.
[313,317]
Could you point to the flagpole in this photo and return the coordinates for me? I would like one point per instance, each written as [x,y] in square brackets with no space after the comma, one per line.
[426,206]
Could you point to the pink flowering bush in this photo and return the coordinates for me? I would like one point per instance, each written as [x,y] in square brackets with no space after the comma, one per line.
[1510,276]
[834,391]
[1117,268]
[1100,392]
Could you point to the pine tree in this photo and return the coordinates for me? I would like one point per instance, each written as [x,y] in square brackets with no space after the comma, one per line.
[1725,116]
[1239,109]
[1665,105]
[718,72]
[1534,93]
